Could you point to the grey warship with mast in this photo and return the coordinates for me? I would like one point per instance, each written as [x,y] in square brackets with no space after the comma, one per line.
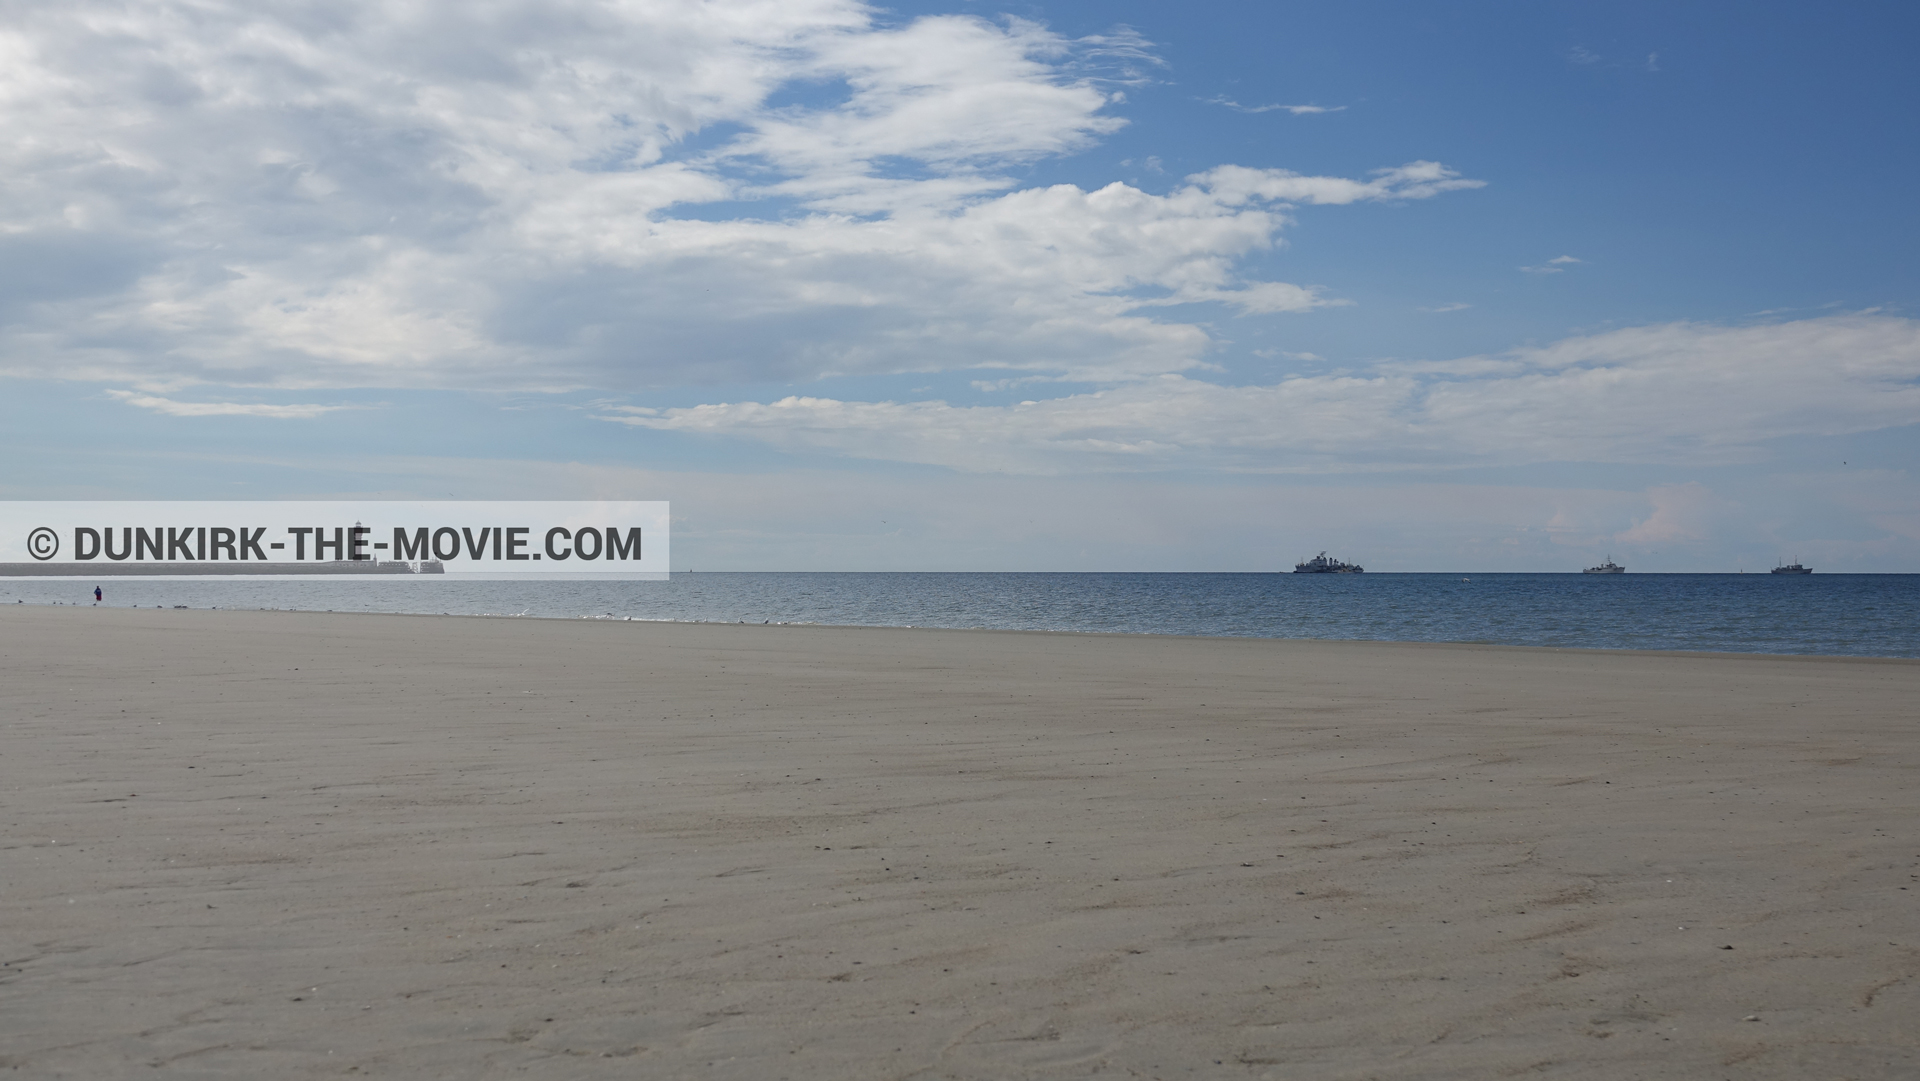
[1320,564]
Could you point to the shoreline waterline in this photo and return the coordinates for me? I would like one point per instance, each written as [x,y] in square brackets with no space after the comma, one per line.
[1827,615]
[1485,647]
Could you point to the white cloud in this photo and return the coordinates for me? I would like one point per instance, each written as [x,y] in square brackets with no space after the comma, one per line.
[1454,307]
[948,92]
[1680,392]
[1296,110]
[1235,185]
[171,408]
[1556,265]
[1682,513]
[988,386]
[581,194]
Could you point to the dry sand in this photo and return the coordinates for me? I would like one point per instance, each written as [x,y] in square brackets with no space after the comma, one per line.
[278,845]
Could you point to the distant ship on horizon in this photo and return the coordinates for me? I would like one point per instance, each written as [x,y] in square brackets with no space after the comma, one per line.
[1792,568]
[1320,564]
[1609,567]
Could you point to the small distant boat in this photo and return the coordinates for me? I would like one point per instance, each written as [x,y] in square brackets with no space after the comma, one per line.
[1320,564]
[1609,567]
[1792,568]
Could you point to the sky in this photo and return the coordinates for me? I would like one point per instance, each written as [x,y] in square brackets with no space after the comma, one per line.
[1501,286]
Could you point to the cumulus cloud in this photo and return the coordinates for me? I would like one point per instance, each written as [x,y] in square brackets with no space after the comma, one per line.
[1681,392]
[579,193]
[1682,513]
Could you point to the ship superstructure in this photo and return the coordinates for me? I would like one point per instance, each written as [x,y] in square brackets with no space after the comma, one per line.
[1320,564]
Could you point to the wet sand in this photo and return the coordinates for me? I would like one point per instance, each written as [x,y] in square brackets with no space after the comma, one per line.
[243,845]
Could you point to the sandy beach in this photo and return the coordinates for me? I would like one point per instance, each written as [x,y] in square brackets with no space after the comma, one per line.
[270,844]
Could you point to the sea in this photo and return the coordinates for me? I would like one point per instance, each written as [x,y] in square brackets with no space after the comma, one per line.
[1856,615]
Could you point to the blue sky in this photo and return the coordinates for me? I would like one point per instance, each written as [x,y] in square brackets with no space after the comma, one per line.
[1498,286]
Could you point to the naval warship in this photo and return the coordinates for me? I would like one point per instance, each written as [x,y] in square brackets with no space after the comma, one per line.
[1792,568]
[1320,564]
[1609,567]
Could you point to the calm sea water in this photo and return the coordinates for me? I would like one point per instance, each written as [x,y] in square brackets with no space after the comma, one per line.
[1875,615]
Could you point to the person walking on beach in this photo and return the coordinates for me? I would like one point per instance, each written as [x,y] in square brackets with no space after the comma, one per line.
[97,594]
